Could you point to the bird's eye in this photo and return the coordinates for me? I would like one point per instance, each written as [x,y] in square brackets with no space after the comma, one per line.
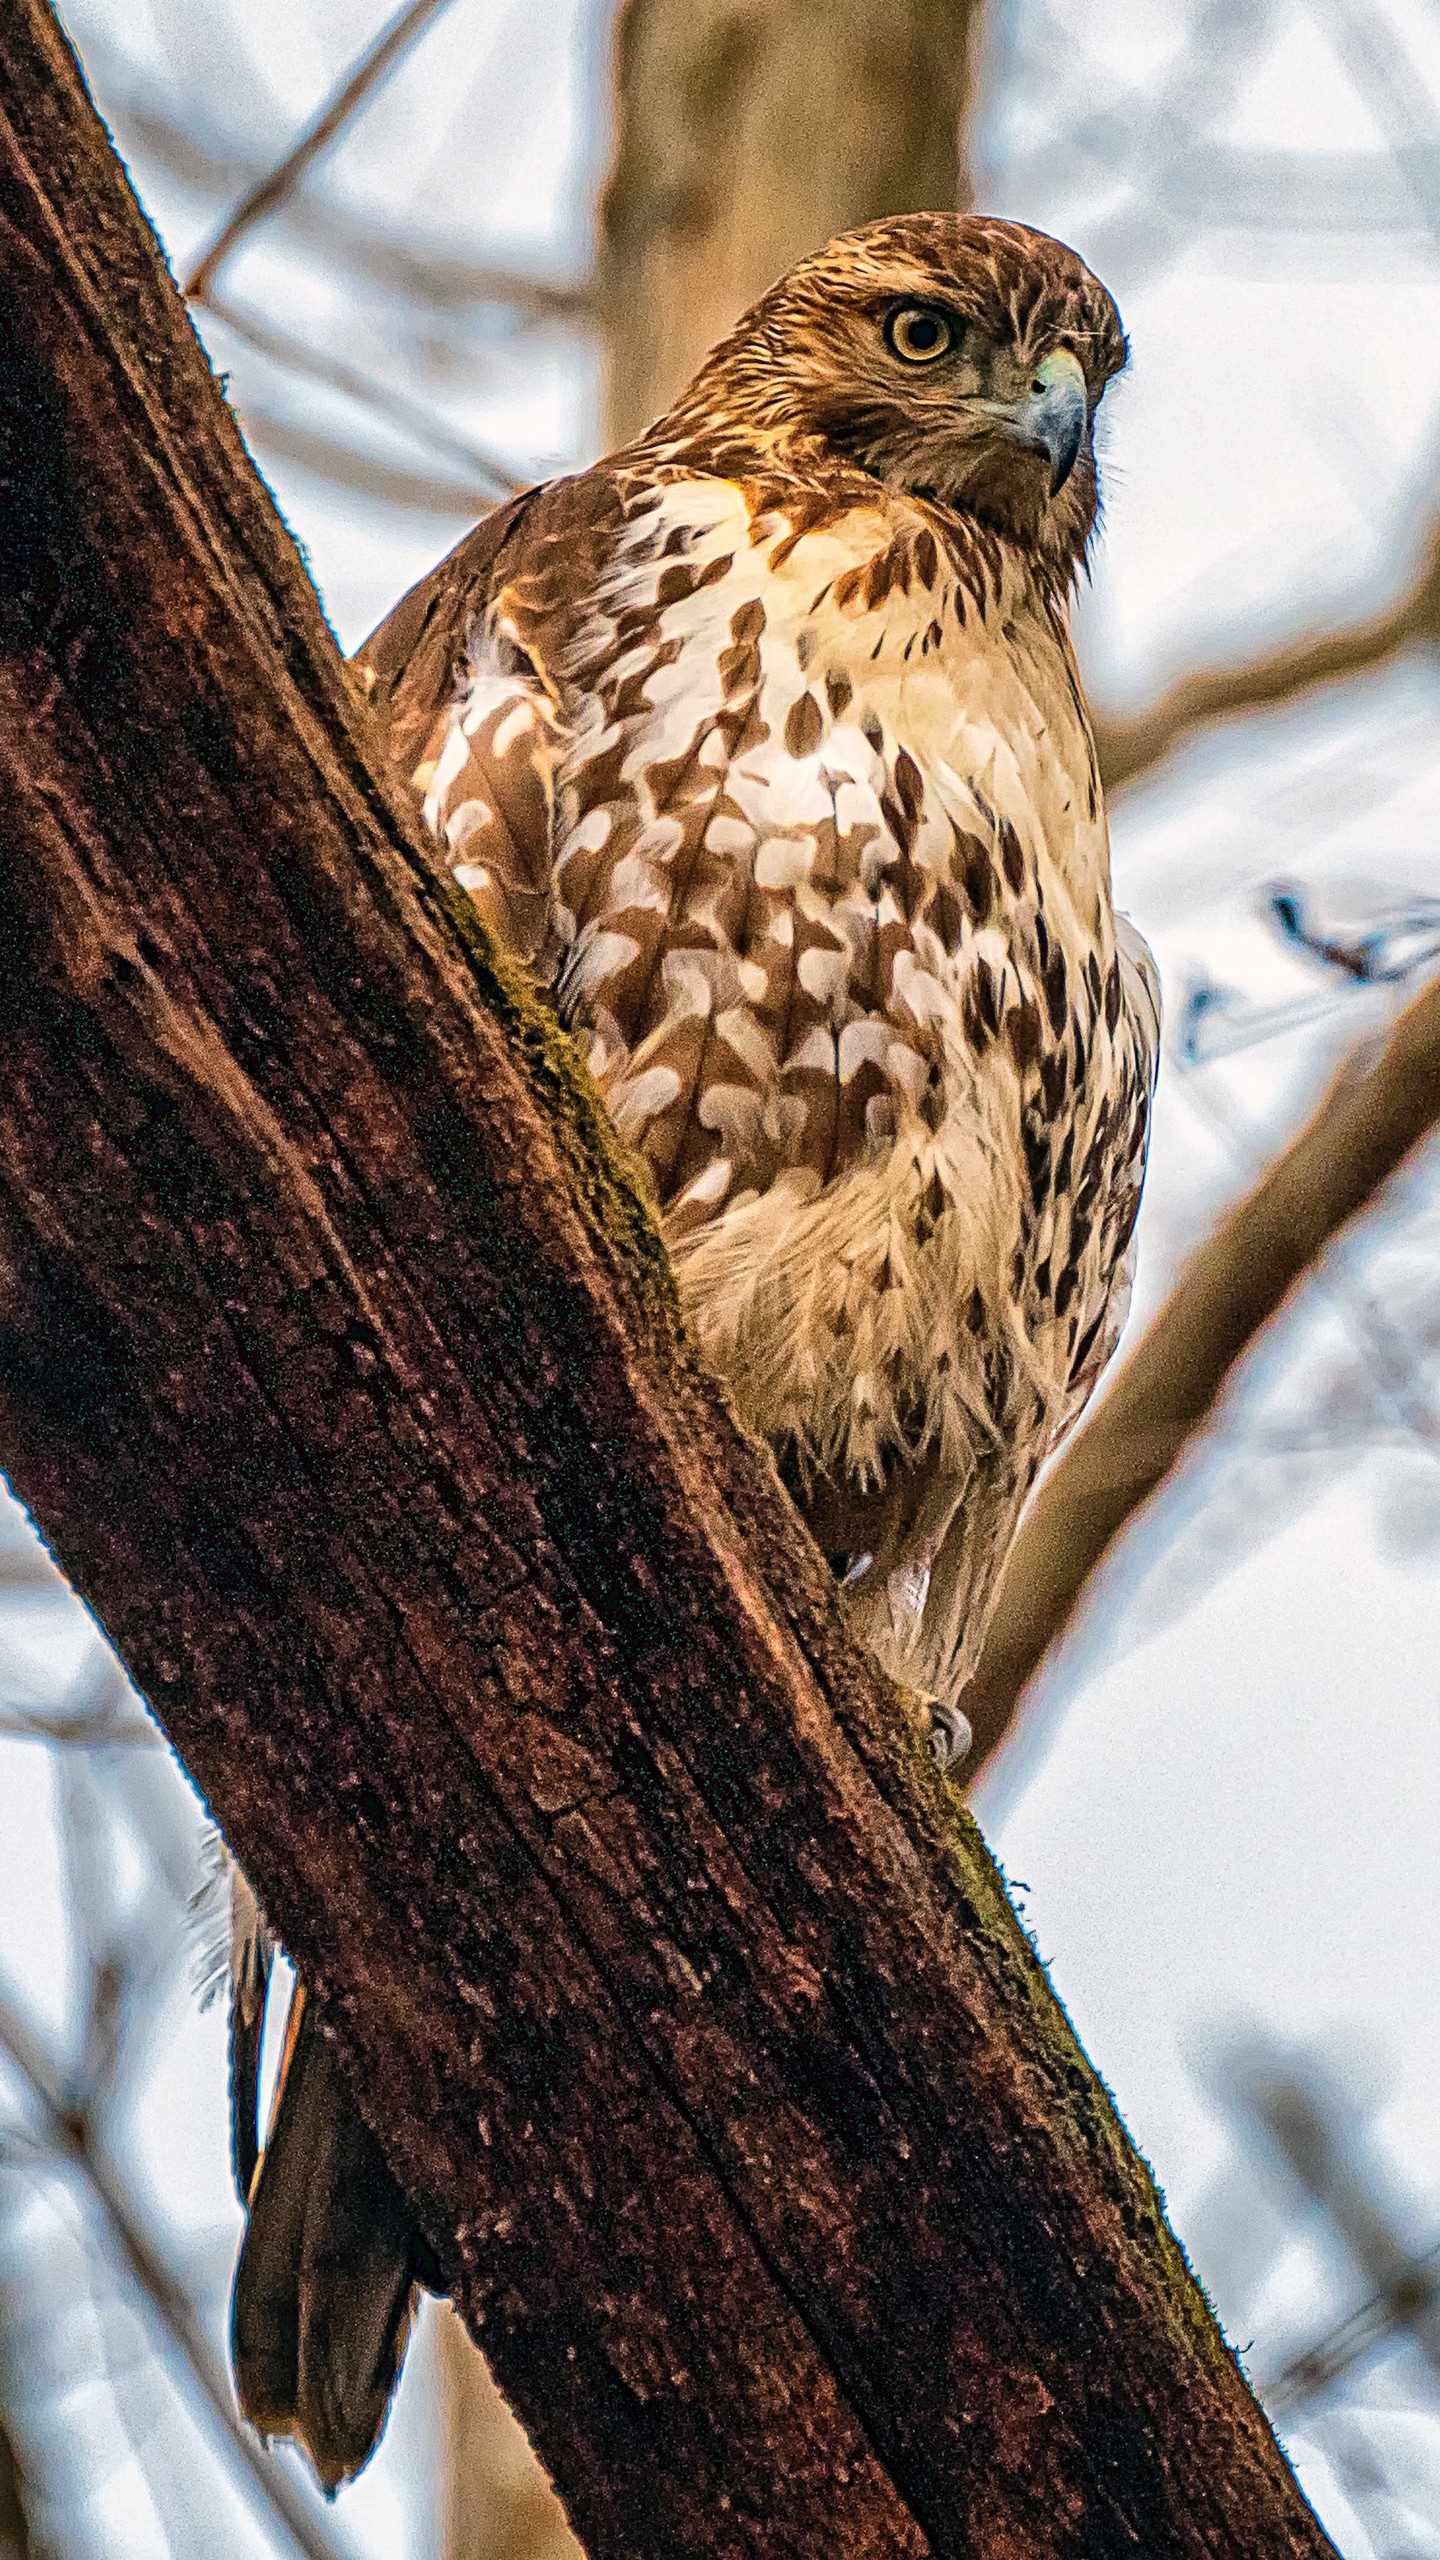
[918,334]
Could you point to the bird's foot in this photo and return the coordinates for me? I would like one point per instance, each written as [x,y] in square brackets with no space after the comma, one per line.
[950,1732]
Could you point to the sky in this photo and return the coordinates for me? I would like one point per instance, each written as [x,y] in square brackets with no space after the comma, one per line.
[1220,1819]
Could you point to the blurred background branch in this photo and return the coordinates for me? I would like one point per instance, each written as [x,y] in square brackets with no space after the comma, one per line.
[1377,1111]
[70,2131]
[15,2542]
[1131,748]
[271,191]
[749,134]
[498,2504]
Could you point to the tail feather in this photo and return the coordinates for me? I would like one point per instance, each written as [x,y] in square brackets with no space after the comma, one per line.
[251,1954]
[325,2287]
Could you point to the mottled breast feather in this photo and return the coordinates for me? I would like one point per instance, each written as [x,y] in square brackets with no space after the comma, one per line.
[782,783]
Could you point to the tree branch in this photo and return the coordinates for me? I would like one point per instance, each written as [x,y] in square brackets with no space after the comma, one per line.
[339,1364]
[346,466]
[418,269]
[277,2498]
[1131,748]
[270,192]
[1379,1109]
[15,2539]
[414,416]
[497,2500]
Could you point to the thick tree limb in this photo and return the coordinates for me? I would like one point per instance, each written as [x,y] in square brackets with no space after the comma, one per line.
[1381,1106]
[339,1363]
[1131,748]
[748,134]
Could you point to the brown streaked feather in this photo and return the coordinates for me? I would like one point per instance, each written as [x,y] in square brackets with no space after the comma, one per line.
[251,1955]
[812,859]
[412,659]
[496,614]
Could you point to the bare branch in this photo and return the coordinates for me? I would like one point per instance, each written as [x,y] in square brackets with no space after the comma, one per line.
[1323,2143]
[416,419]
[1131,748]
[1376,1112]
[15,2538]
[496,2498]
[419,269]
[346,467]
[70,2138]
[373,67]
[82,1732]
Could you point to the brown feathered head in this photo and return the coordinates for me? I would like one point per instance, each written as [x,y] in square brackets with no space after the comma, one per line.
[951,356]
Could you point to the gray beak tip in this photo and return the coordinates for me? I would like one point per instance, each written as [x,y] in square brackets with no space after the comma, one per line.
[1064,452]
[1056,416]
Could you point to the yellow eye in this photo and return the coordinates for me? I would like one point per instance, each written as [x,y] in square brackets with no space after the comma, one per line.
[919,333]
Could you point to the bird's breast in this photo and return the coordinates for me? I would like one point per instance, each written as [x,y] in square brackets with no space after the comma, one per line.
[832,911]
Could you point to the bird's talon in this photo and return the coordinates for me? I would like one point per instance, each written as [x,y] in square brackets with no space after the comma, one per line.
[951,1736]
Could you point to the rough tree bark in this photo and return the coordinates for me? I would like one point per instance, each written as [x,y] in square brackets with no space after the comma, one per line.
[749,132]
[339,1363]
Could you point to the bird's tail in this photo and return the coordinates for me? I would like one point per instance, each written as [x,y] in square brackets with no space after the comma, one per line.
[326,2285]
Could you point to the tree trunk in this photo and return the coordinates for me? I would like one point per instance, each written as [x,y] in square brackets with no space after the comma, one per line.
[340,1365]
[748,133]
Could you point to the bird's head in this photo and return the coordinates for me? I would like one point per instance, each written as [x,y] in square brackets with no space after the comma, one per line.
[950,356]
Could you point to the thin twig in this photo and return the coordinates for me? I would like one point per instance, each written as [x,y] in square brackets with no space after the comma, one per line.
[418,266]
[373,67]
[71,2138]
[83,1732]
[412,415]
[1324,2146]
[346,467]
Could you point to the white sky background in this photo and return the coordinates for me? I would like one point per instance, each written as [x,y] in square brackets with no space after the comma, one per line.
[1225,1810]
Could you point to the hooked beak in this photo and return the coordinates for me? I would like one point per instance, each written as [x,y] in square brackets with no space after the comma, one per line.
[1054,415]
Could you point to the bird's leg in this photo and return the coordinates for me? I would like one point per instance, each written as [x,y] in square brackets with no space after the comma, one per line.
[951,1735]
[946,1729]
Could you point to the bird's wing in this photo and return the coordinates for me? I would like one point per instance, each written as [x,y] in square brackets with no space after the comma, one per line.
[667,739]
[463,681]
[1138,1062]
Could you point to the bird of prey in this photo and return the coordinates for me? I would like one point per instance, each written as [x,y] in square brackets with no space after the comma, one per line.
[761,744]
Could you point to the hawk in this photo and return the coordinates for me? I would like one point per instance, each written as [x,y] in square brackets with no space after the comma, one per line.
[762,745]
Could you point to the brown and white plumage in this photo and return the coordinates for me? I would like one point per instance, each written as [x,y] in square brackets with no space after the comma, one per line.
[762,744]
